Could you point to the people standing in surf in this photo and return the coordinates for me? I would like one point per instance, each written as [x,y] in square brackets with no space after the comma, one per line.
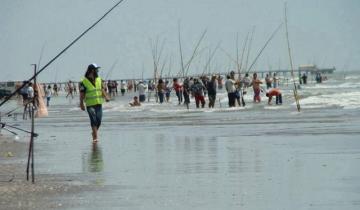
[186,91]
[256,87]
[48,94]
[167,91]
[74,89]
[274,92]
[160,88]
[69,88]
[231,90]
[178,90]
[275,80]
[268,81]
[246,81]
[92,93]
[304,78]
[211,89]
[198,91]
[122,87]
[220,82]
[142,89]
[238,94]
[135,102]
[318,77]
[56,89]
[25,93]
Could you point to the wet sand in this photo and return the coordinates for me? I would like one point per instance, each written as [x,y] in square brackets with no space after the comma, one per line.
[166,157]
[50,191]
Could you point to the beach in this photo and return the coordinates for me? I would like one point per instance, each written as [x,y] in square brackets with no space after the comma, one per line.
[163,156]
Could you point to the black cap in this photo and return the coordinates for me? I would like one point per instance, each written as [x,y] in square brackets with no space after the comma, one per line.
[93,66]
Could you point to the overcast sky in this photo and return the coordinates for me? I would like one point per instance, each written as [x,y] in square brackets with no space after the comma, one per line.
[323,32]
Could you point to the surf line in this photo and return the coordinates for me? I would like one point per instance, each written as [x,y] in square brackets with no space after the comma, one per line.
[58,55]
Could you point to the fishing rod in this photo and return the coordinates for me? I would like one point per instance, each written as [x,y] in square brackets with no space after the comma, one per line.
[263,48]
[237,53]
[58,55]
[296,96]
[10,131]
[9,113]
[111,69]
[3,125]
[249,47]
[211,56]
[243,52]
[187,65]
[228,55]
[41,54]
[181,53]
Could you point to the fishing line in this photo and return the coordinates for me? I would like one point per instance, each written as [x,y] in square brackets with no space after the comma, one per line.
[58,55]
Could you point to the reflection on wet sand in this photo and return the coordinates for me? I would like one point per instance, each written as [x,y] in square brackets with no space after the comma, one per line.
[96,163]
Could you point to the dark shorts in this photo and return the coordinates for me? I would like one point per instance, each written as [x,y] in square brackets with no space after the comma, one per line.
[237,94]
[142,98]
[212,97]
[25,96]
[95,115]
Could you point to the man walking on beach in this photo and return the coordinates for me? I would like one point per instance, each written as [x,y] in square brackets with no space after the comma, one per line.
[93,92]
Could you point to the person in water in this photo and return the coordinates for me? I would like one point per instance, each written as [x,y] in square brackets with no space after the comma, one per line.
[231,90]
[211,88]
[135,102]
[198,91]
[92,93]
[268,81]
[274,92]
[256,87]
[178,89]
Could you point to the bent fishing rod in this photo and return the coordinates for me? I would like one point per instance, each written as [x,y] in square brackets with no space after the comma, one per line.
[58,55]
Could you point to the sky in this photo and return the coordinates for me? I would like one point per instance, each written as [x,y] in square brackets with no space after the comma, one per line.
[321,32]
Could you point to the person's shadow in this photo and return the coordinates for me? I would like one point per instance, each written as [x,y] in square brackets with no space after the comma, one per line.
[96,163]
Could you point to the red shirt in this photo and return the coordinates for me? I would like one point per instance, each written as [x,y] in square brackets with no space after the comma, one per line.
[274,92]
[177,87]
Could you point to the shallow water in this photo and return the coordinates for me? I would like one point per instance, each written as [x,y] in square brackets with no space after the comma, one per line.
[257,157]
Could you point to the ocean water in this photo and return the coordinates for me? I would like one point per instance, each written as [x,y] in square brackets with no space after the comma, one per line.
[163,156]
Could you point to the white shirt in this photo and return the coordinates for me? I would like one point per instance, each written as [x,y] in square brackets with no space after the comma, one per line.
[123,85]
[48,93]
[246,81]
[230,86]
[30,92]
[142,88]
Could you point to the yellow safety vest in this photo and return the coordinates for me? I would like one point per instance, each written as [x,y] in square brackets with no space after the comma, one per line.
[93,95]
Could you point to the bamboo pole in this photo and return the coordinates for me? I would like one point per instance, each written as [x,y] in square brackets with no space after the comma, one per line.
[296,96]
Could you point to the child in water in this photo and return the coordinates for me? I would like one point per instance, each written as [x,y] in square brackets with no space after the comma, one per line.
[135,102]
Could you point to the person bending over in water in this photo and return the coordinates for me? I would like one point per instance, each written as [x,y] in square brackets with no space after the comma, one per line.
[92,93]
[274,92]
[135,102]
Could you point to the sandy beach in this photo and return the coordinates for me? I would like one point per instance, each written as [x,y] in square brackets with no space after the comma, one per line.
[60,191]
